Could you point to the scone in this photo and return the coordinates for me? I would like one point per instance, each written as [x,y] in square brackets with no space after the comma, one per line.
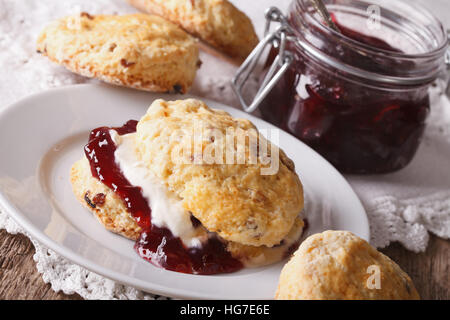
[217,22]
[140,51]
[337,265]
[185,215]
[235,200]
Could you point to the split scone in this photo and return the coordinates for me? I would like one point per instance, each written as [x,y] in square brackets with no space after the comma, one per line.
[217,22]
[152,181]
[337,265]
[140,51]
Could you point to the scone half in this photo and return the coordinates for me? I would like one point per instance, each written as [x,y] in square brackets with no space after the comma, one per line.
[238,200]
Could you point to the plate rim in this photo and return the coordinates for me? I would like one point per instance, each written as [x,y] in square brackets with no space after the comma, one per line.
[30,229]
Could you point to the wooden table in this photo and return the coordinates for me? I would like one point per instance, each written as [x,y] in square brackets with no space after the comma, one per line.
[19,278]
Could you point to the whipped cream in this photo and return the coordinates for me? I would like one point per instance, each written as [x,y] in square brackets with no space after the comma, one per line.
[167,209]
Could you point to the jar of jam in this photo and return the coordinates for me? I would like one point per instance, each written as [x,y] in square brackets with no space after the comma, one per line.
[358,95]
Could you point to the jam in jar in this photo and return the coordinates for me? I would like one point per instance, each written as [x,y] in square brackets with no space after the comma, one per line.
[359,96]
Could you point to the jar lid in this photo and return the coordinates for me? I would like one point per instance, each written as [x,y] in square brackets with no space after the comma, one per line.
[424,35]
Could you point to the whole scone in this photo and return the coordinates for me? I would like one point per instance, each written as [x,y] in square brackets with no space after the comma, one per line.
[112,213]
[242,201]
[336,265]
[217,22]
[138,50]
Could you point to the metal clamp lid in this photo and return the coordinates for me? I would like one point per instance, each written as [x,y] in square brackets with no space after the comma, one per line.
[447,62]
[279,66]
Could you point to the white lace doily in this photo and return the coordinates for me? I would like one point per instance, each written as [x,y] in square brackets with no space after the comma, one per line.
[401,207]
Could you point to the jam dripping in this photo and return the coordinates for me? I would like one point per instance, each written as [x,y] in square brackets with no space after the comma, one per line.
[157,245]
[357,129]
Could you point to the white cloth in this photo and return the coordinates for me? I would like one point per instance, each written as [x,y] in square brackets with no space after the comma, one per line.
[402,206]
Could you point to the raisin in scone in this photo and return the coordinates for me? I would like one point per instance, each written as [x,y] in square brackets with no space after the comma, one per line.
[338,265]
[256,218]
[137,50]
[106,206]
[217,22]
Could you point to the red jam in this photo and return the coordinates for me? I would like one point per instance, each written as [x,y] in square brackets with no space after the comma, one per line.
[359,129]
[157,245]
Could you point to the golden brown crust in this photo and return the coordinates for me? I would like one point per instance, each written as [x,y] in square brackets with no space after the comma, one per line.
[139,51]
[113,215]
[217,22]
[110,211]
[237,201]
[335,265]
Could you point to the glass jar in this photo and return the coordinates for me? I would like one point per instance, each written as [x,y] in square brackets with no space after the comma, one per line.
[359,97]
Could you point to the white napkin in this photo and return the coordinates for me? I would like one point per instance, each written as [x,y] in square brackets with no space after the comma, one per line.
[402,206]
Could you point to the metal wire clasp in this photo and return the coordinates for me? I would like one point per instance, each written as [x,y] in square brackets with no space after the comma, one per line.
[279,66]
[447,62]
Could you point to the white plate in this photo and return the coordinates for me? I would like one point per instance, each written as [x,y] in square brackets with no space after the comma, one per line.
[43,135]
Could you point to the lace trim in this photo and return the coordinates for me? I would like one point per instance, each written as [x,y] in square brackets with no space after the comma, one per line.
[71,278]
[408,221]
